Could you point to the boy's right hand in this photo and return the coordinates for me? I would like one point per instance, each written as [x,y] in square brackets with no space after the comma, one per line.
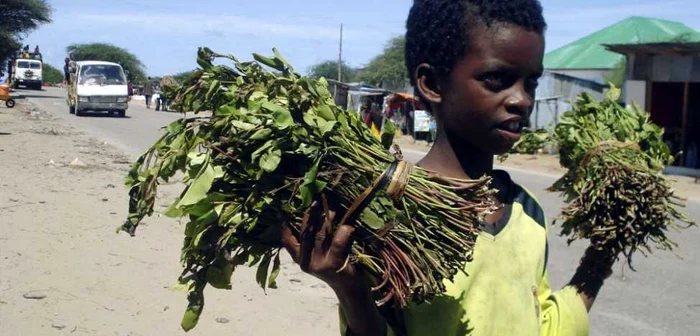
[321,252]
[326,255]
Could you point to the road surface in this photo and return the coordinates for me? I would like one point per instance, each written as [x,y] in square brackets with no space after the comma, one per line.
[661,298]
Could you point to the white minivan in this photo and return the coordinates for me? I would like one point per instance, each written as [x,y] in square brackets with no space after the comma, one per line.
[98,86]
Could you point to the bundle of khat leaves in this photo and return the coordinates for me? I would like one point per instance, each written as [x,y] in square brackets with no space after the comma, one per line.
[618,197]
[262,146]
[531,142]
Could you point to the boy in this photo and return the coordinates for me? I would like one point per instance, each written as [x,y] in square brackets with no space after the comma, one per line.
[475,64]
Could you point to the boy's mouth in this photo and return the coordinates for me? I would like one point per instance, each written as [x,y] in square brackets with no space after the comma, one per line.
[511,129]
[512,126]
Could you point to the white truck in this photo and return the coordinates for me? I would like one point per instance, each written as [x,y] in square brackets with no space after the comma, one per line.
[26,70]
[98,86]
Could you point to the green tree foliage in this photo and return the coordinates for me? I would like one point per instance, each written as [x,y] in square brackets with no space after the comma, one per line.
[51,74]
[17,18]
[329,70]
[109,53]
[617,75]
[387,68]
[181,76]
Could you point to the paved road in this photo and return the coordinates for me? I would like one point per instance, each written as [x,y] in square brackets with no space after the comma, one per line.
[662,298]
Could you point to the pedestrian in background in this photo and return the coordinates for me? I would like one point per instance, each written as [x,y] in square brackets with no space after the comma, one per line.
[148,92]
[66,71]
[432,127]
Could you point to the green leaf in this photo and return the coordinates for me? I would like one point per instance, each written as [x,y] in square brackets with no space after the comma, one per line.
[261,274]
[220,276]
[176,126]
[190,319]
[173,211]
[213,87]
[371,219]
[261,134]
[272,63]
[311,187]
[262,149]
[200,186]
[325,112]
[275,272]
[283,118]
[271,160]
[327,127]
[281,59]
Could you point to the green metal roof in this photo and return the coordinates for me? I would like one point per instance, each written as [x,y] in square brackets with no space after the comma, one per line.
[589,52]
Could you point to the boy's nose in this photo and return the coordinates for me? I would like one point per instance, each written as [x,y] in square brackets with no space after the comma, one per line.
[520,102]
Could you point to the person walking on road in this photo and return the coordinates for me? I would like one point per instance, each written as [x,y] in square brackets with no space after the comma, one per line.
[66,71]
[148,92]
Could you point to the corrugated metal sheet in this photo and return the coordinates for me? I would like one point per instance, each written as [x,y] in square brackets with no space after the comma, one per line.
[555,94]
[589,52]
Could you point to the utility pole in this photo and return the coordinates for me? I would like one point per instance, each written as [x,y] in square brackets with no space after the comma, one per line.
[340,55]
[340,62]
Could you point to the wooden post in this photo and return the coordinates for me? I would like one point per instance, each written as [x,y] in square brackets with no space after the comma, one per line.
[684,126]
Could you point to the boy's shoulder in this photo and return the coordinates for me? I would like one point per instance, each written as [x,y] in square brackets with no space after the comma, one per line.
[516,193]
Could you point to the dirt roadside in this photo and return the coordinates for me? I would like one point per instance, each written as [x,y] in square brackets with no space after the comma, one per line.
[685,187]
[66,272]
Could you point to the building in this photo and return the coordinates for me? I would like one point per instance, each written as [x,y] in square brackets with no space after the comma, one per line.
[585,65]
[664,79]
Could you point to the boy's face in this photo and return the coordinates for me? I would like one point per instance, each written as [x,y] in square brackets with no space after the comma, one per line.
[491,91]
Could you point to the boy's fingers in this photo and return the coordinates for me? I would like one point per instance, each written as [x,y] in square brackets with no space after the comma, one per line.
[325,234]
[309,229]
[290,243]
[342,242]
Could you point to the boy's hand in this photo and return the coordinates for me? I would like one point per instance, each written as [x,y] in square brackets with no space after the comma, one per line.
[595,267]
[319,251]
[325,254]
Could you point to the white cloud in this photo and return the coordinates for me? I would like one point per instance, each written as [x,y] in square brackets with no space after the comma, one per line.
[219,26]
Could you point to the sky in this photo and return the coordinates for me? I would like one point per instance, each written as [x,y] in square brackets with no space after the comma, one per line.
[165,34]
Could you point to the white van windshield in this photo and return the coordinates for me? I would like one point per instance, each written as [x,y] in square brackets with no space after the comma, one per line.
[101,74]
[28,65]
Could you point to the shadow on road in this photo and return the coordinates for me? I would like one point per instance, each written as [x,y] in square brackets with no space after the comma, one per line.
[101,115]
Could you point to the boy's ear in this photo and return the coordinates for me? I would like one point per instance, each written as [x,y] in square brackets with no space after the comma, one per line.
[427,83]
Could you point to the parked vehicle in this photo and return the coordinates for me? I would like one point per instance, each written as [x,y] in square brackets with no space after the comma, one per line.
[98,86]
[26,70]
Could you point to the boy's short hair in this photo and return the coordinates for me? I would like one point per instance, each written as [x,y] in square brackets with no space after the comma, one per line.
[438,31]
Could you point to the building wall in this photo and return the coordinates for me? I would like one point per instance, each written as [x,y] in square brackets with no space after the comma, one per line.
[596,75]
[664,68]
[564,89]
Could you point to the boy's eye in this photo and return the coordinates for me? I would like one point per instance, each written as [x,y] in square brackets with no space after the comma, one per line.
[532,84]
[495,81]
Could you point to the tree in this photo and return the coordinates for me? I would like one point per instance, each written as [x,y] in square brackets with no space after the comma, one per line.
[387,69]
[51,75]
[617,75]
[181,76]
[19,17]
[329,70]
[109,53]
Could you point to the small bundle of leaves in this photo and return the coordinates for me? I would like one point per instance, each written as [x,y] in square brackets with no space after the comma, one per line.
[263,145]
[531,142]
[618,197]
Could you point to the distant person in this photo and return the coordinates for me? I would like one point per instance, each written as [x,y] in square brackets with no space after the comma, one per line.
[432,127]
[66,71]
[148,92]
[130,86]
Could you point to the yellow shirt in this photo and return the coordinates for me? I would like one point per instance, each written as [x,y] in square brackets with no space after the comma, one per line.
[506,291]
